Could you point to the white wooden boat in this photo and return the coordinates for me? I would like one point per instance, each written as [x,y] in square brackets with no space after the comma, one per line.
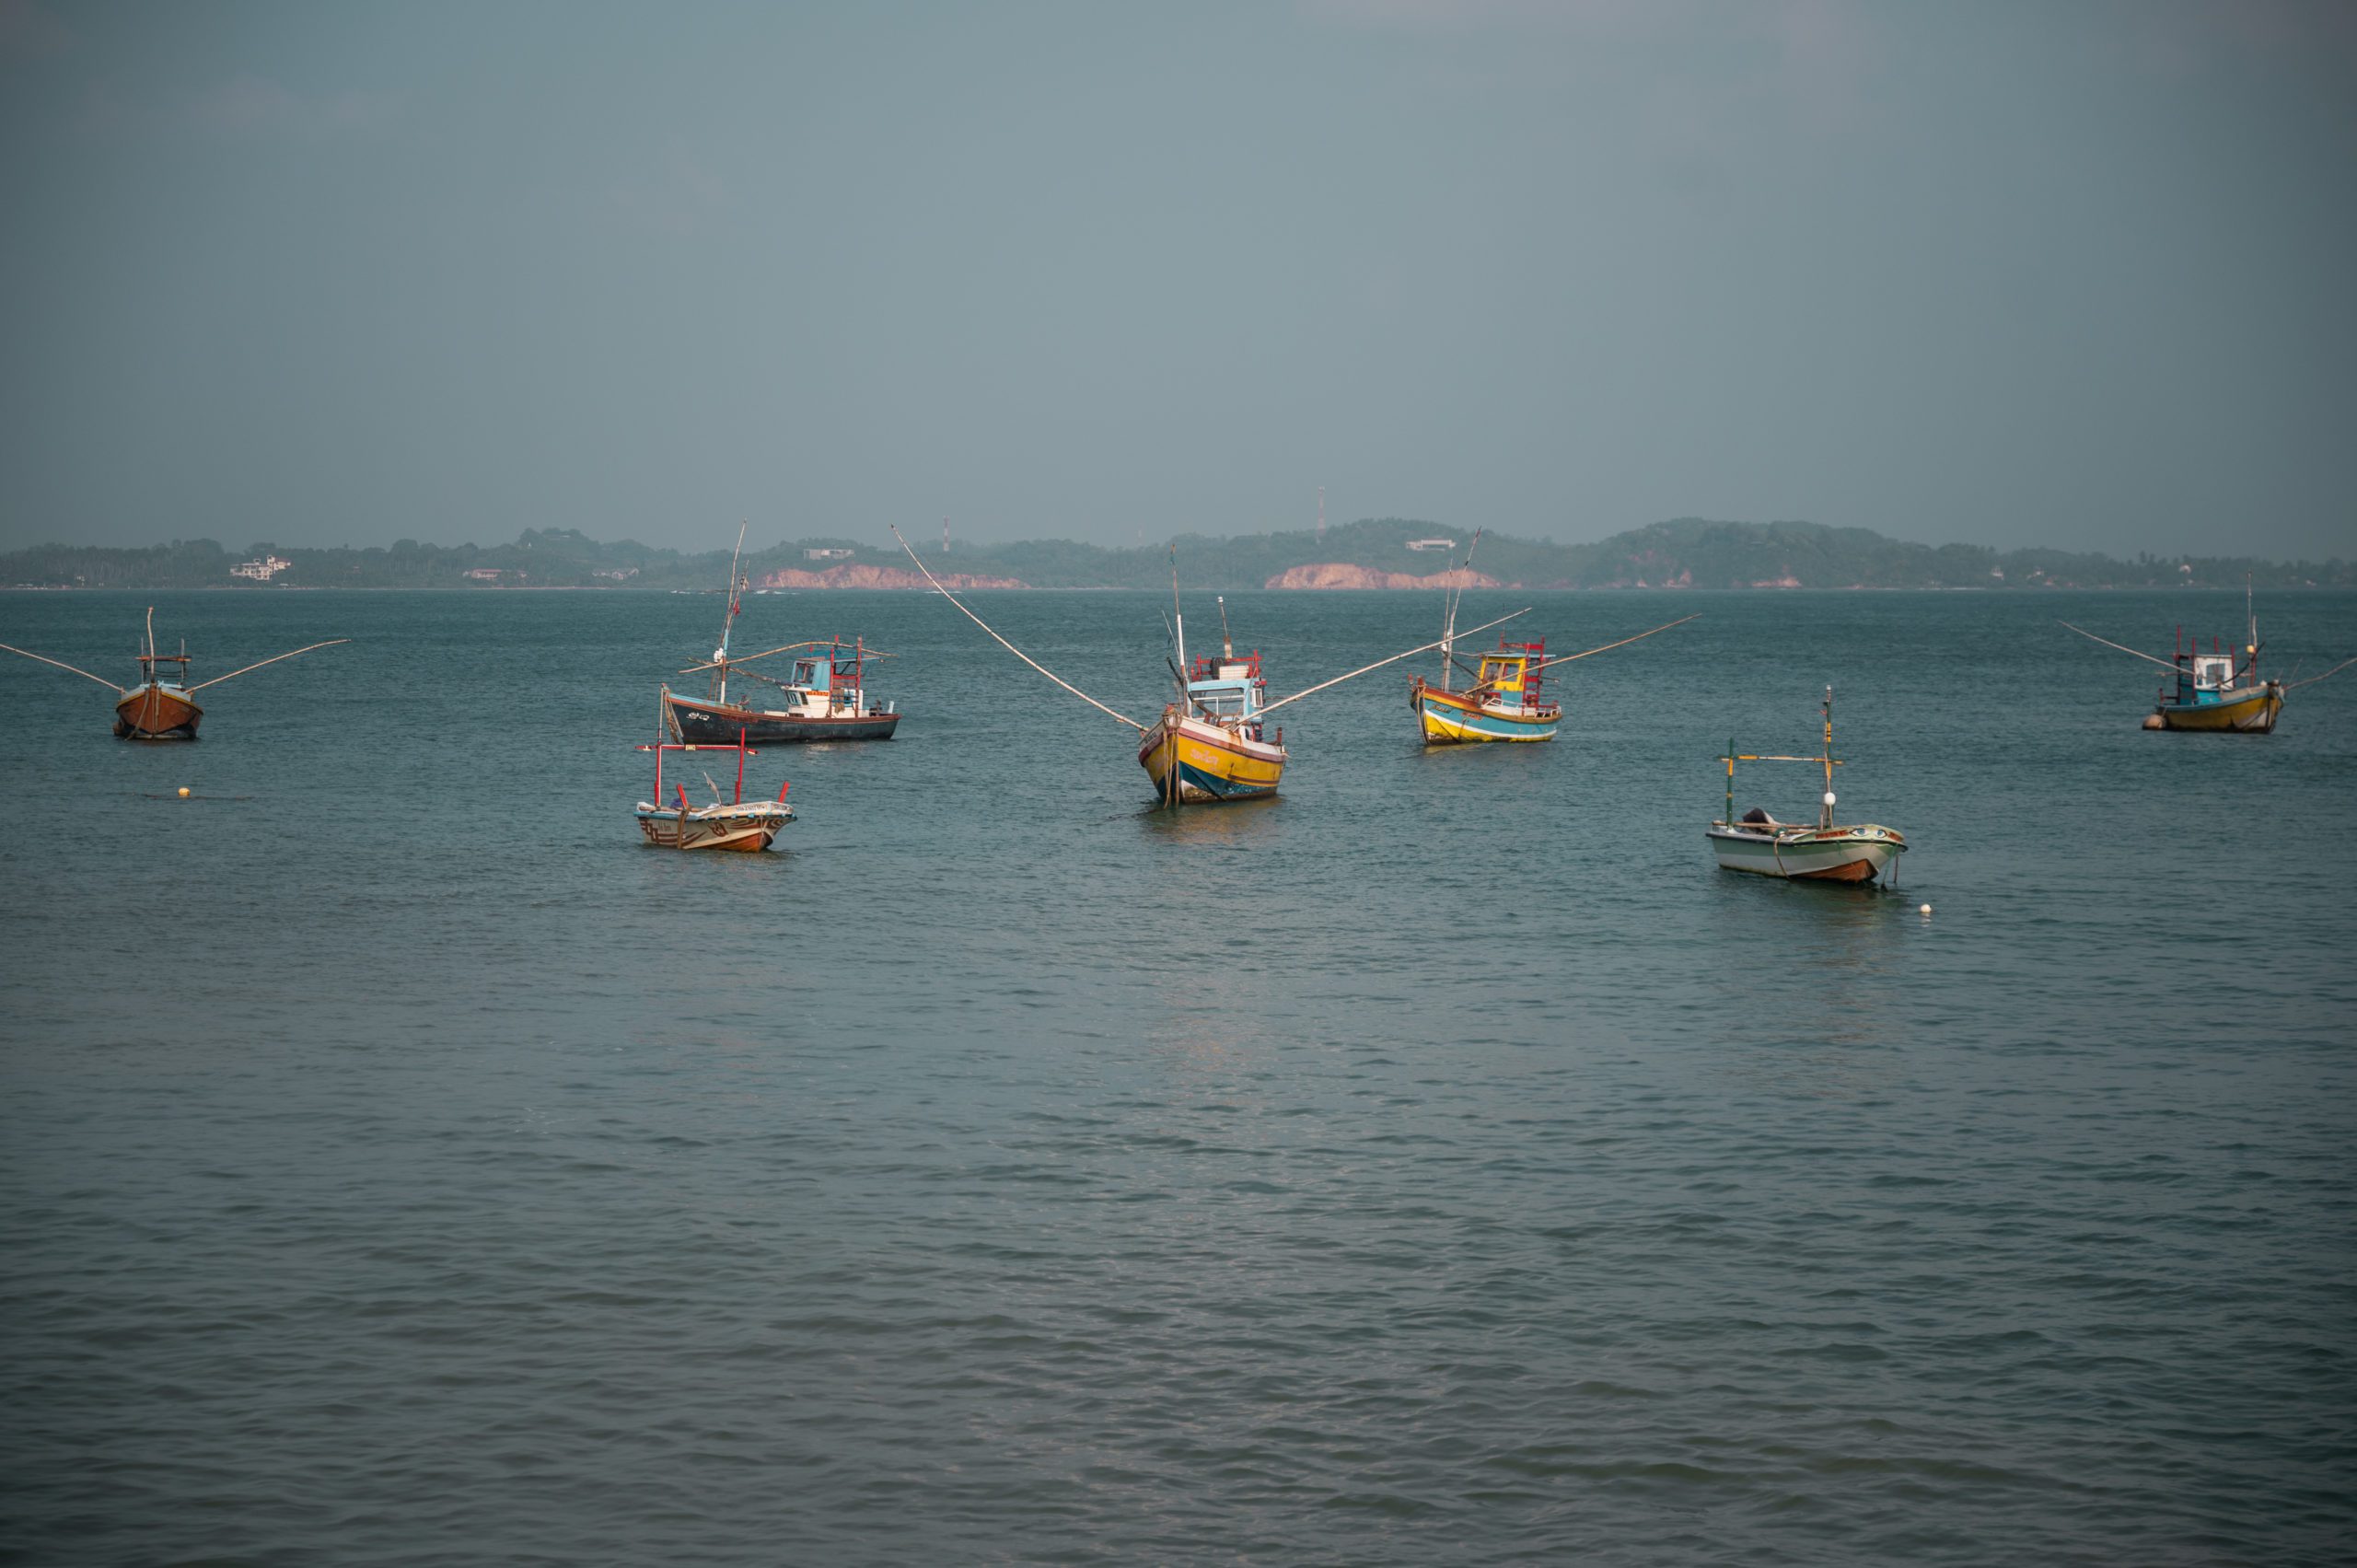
[746,826]
[1826,851]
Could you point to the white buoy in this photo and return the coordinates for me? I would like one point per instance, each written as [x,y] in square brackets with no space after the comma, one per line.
[1927,909]
[1829,797]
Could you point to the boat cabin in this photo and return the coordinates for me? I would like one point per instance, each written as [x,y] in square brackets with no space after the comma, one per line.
[2211,675]
[1230,691]
[829,682]
[1515,672]
[2203,679]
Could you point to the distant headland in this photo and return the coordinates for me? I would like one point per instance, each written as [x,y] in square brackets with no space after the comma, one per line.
[1389,552]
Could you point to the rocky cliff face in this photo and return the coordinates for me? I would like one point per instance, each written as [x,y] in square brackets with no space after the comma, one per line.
[1334,574]
[853,576]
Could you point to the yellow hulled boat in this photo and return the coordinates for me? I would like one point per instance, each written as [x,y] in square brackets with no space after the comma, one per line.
[1215,749]
[2220,691]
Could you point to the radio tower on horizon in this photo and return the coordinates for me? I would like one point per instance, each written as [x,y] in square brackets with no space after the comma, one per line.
[944,536]
[1321,514]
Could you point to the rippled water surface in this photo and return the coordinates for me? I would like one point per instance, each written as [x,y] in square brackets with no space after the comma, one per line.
[400,1162]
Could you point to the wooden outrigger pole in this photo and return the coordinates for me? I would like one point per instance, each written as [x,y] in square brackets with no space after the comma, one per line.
[1395,658]
[1538,664]
[44,658]
[217,679]
[1010,647]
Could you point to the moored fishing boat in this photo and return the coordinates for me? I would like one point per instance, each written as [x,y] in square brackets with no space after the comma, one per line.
[735,824]
[1826,851]
[826,699]
[162,707]
[1212,743]
[1216,748]
[1505,703]
[2211,692]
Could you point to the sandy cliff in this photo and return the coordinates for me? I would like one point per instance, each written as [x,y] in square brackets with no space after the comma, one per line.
[878,577]
[1334,574]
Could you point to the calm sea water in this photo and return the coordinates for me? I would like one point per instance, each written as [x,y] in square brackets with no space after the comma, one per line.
[400,1162]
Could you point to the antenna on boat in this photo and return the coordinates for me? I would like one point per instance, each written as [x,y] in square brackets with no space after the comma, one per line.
[1180,620]
[728,624]
[1452,594]
[2250,613]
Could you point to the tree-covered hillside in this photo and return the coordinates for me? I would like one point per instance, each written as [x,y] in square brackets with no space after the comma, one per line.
[1687,552]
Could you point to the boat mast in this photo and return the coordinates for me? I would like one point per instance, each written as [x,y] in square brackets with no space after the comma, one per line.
[1227,643]
[728,623]
[1180,622]
[1451,594]
[2250,646]
[1825,811]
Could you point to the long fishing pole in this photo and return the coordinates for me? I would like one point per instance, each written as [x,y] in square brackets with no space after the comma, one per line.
[2312,680]
[1010,647]
[61,664]
[2108,642]
[217,679]
[1567,658]
[750,658]
[1378,664]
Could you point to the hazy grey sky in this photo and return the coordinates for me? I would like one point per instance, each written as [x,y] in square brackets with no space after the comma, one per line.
[2067,272]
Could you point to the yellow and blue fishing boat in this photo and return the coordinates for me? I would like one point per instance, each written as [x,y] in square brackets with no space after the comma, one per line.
[1503,703]
[1216,748]
[2220,691]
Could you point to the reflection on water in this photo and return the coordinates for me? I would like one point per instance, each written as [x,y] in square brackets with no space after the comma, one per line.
[1811,963]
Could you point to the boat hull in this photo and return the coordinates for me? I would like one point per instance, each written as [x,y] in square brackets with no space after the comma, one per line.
[745,828]
[157,713]
[1448,719]
[711,724]
[1210,764]
[1807,854]
[2251,712]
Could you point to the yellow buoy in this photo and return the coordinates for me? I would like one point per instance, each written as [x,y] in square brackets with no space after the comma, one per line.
[184,792]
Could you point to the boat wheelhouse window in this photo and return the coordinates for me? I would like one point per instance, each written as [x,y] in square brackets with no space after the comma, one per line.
[1227,705]
[2212,672]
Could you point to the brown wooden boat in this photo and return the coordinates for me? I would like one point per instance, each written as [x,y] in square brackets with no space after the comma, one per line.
[159,707]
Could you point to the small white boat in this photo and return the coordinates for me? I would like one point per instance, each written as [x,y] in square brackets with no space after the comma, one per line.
[1828,852]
